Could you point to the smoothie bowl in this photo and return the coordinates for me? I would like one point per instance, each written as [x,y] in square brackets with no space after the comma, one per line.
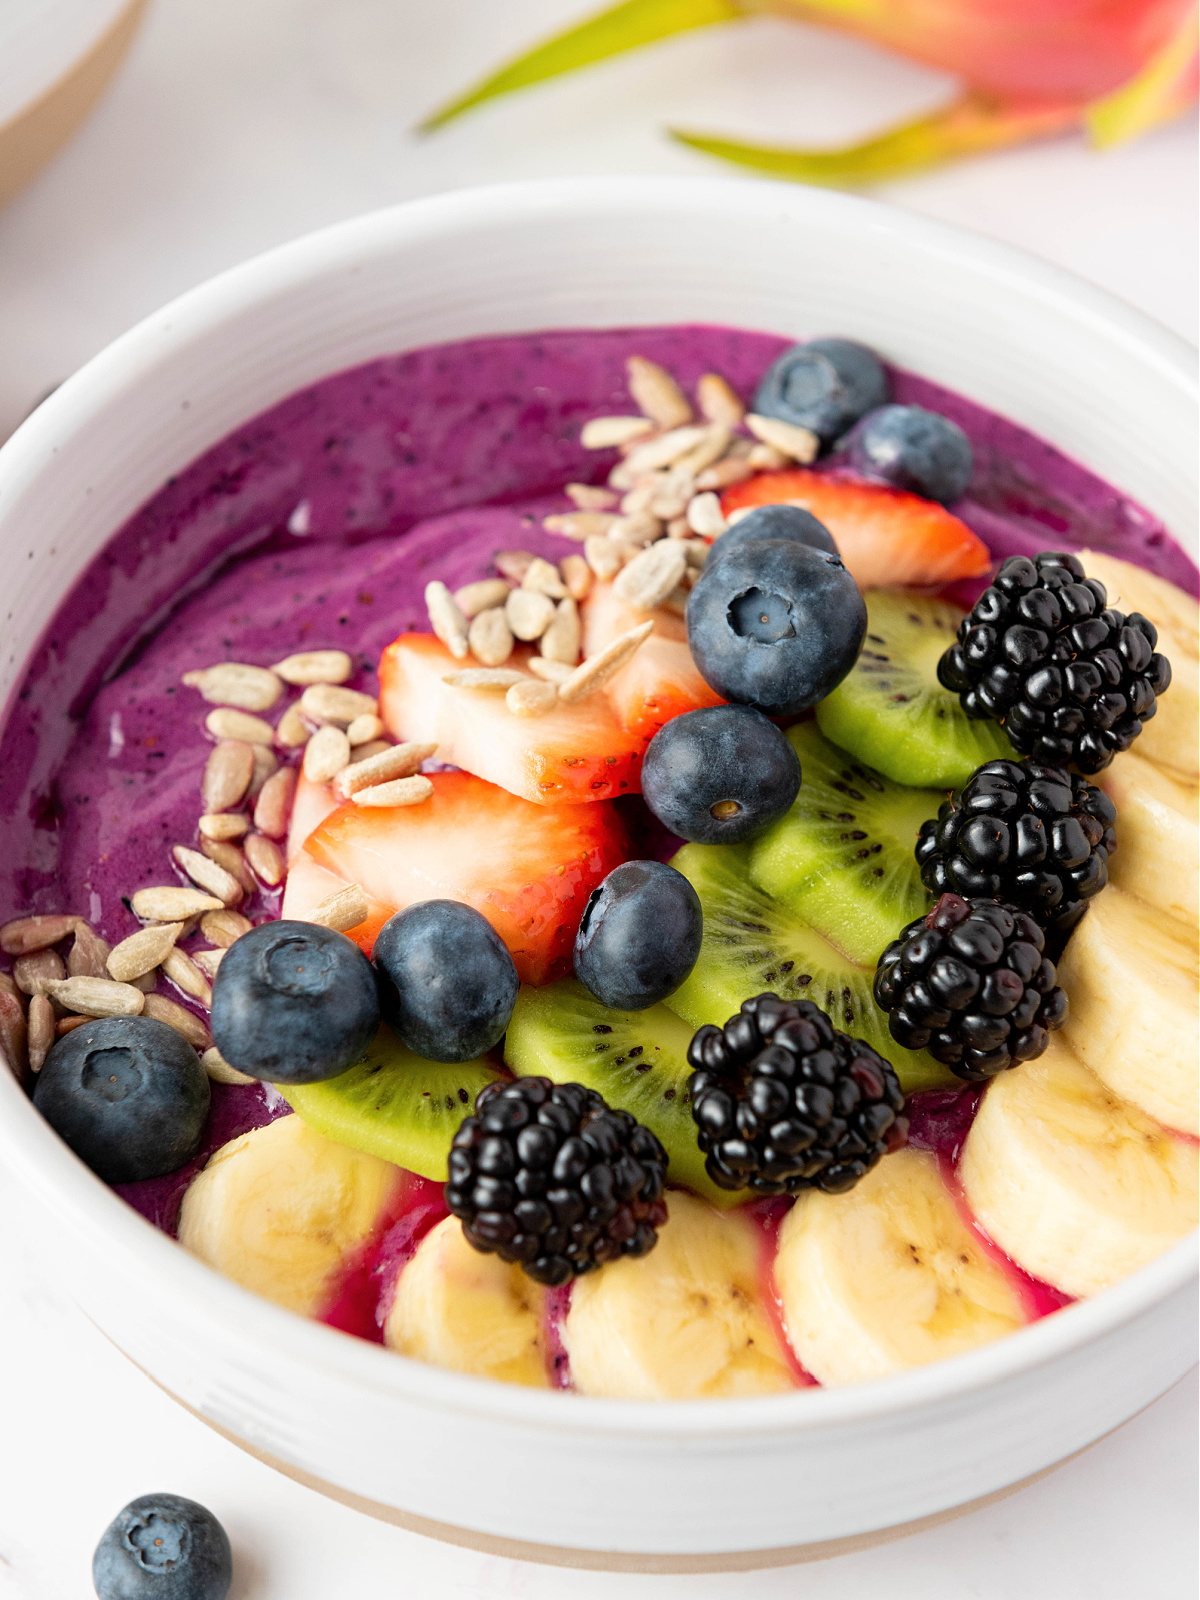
[617,828]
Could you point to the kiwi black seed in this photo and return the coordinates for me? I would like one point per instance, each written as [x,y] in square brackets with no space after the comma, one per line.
[394,1104]
[754,943]
[843,857]
[636,1059]
[890,710]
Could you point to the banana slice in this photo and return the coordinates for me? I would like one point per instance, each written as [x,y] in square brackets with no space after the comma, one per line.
[682,1323]
[1131,976]
[888,1276]
[279,1208]
[457,1308]
[1158,830]
[1080,1188]
[1172,737]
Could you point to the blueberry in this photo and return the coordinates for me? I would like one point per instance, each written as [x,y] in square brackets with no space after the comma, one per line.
[719,775]
[294,1003]
[911,448]
[163,1547]
[775,522]
[775,625]
[639,936]
[128,1095]
[447,981]
[824,385]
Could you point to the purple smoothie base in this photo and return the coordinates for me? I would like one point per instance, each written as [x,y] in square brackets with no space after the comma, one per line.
[407,468]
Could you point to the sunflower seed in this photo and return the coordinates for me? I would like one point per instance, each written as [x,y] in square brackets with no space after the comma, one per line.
[765,458]
[549,671]
[27,934]
[266,762]
[364,729]
[709,450]
[656,393]
[644,491]
[672,499]
[233,683]
[397,761]
[8,986]
[490,636]
[227,775]
[736,516]
[399,792]
[229,857]
[171,903]
[33,973]
[224,927]
[264,858]
[473,598]
[186,975]
[225,723]
[88,956]
[14,1035]
[205,872]
[560,642]
[485,680]
[665,450]
[364,752]
[577,576]
[607,433]
[704,515]
[531,698]
[620,477]
[274,803]
[676,602]
[224,824]
[723,474]
[677,528]
[315,666]
[98,997]
[512,564]
[597,670]
[799,444]
[580,525]
[543,577]
[66,1025]
[650,577]
[185,1022]
[528,614]
[325,754]
[41,1031]
[292,731]
[344,909]
[638,530]
[328,702]
[143,951]
[208,961]
[219,1070]
[445,618]
[717,401]
[696,551]
[588,497]
[603,556]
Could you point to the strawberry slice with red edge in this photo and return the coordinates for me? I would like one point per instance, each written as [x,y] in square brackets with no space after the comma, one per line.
[887,538]
[660,681]
[528,868]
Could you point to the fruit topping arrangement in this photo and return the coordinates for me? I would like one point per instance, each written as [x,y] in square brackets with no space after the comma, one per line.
[705,967]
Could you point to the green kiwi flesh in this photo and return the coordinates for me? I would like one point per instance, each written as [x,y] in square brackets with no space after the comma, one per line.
[843,857]
[394,1104]
[890,710]
[753,943]
[636,1059]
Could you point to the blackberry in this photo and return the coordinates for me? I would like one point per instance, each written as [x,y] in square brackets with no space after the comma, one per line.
[785,1102]
[969,982]
[1042,652]
[1035,837]
[549,1176]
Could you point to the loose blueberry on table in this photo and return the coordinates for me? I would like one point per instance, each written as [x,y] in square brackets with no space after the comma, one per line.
[703,893]
[163,1547]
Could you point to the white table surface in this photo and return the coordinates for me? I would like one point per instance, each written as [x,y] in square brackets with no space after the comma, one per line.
[238,124]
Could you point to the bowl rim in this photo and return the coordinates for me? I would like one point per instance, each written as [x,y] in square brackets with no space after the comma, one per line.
[46,1169]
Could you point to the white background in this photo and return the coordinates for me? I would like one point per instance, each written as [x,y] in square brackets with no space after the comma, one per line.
[238,124]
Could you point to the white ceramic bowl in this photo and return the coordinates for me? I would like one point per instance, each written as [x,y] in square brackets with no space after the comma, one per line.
[719,1482]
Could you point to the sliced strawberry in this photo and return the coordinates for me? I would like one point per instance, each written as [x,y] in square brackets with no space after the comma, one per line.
[661,680]
[308,884]
[886,537]
[312,804]
[528,868]
[573,753]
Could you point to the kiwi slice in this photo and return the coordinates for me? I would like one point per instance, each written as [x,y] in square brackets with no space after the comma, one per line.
[636,1059]
[891,711]
[394,1104]
[843,857]
[753,943]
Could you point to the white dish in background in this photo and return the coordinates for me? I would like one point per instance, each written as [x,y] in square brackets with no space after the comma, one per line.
[722,1482]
